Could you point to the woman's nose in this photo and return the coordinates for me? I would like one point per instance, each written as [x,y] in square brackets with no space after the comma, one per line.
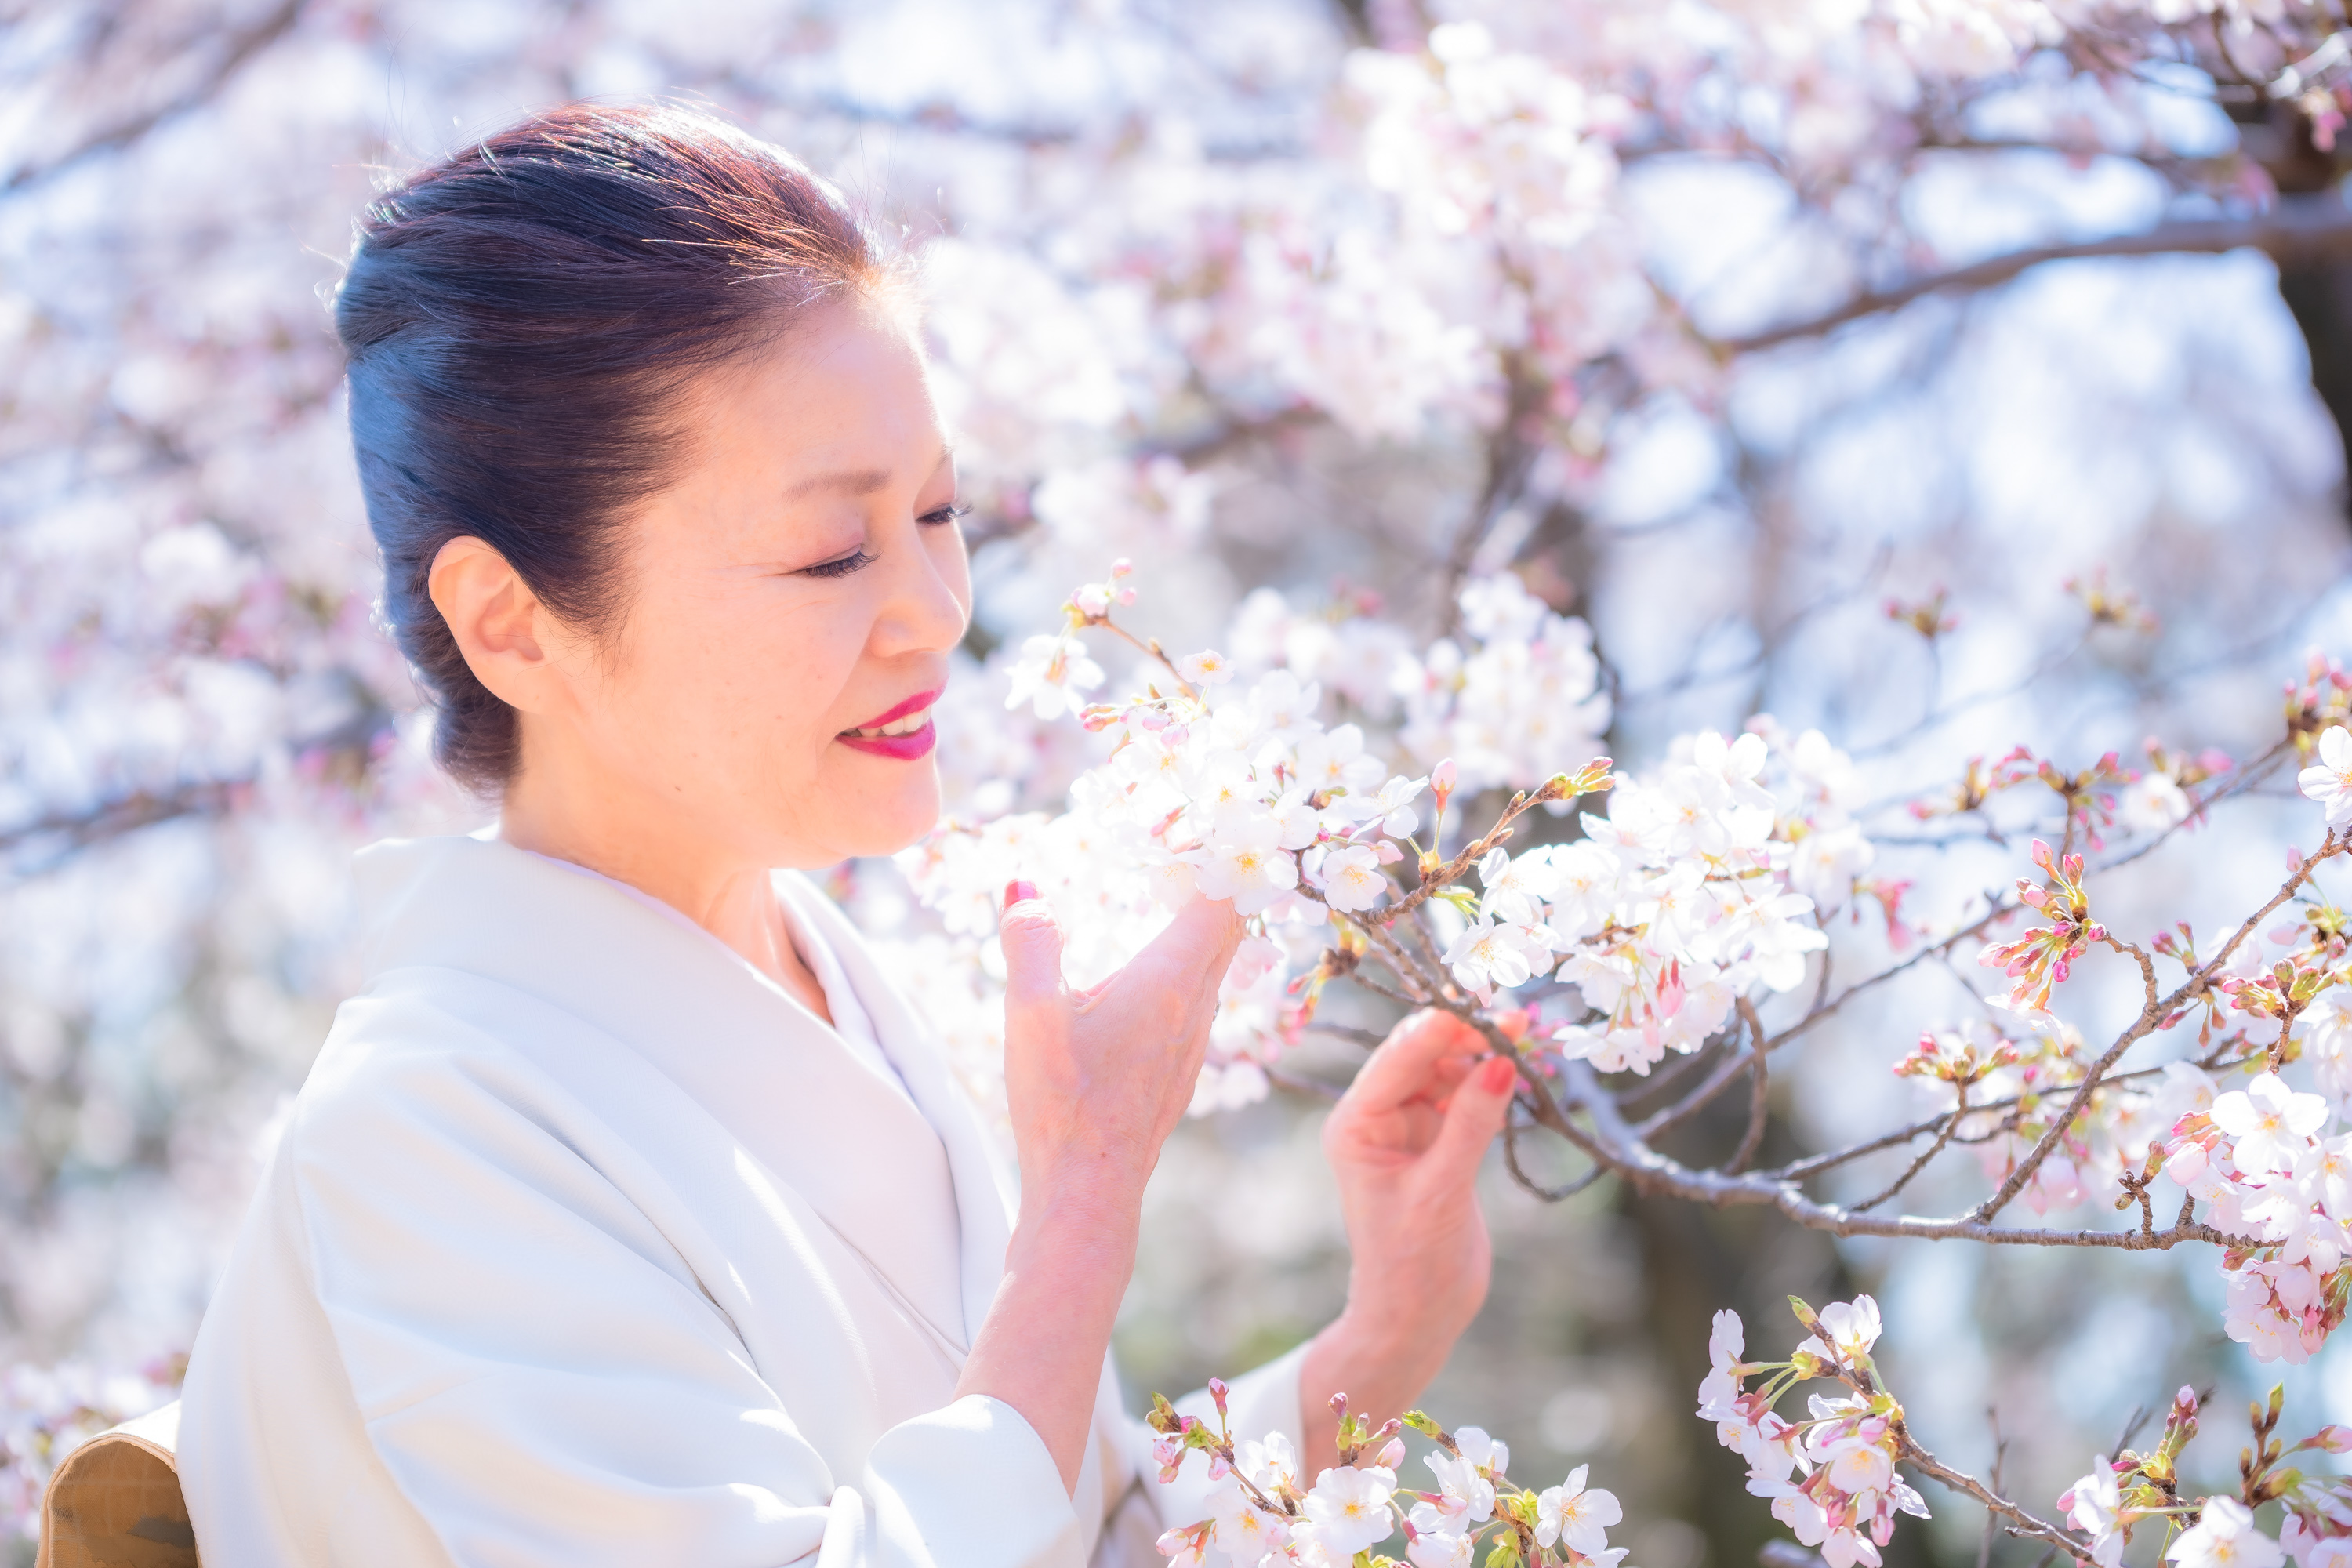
[924,614]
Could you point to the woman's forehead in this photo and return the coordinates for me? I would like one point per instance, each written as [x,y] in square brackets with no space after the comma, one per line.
[844,409]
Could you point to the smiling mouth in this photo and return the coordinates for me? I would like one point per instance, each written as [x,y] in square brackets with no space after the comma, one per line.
[905,719]
[904,732]
[896,727]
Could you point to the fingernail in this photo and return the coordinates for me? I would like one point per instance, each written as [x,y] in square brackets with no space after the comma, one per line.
[1498,1074]
[1019,892]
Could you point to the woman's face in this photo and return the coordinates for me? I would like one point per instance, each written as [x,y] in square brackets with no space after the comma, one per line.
[793,599]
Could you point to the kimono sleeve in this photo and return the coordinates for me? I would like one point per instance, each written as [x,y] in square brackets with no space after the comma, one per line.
[532,1377]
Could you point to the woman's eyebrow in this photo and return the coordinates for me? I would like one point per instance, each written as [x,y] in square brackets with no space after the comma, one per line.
[844,481]
[855,481]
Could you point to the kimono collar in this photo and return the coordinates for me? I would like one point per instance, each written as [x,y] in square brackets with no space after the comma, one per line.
[916,1188]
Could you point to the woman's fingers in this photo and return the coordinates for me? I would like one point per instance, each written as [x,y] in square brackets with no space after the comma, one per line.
[1033,948]
[1413,1054]
[1476,1115]
[1185,964]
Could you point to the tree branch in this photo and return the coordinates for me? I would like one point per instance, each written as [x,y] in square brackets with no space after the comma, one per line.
[2296,230]
[240,49]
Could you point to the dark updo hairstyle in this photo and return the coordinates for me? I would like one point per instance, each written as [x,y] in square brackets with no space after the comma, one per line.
[522,322]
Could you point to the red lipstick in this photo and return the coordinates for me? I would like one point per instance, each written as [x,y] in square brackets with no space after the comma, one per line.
[905,748]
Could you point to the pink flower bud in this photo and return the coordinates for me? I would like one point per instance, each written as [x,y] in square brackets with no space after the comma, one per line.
[2335,1439]
[1441,777]
[1217,1394]
[1393,1454]
[2185,1163]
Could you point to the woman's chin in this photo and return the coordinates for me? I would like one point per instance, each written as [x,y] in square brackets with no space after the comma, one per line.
[885,821]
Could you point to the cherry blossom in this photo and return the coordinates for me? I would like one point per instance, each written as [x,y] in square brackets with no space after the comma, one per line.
[1052,676]
[1490,954]
[1352,879]
[2225,1537]
[1258,1514]
[1579,1518]
[1347,1509]
[2271,1123]
[2094,1505]
[2329,780]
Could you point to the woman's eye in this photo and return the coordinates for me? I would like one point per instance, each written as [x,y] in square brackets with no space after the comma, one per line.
[842,567]
[945,514]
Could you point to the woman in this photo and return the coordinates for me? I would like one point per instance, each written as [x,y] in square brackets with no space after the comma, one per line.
[628,1216]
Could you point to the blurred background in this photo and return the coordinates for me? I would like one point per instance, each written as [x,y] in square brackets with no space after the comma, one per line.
[1722,325]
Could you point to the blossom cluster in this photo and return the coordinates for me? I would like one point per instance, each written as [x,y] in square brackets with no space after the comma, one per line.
[1703,883]
[1263,1514]
[1831,1477]
[2216,1531]
[2262,1167]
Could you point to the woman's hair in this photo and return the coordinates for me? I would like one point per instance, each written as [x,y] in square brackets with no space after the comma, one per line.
[523,322]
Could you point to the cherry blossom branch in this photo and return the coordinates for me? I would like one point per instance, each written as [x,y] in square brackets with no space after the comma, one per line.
[1758,1096]
[1943,1139]
[1609,1142]
[2152,1014]
[2237,783]
[125,814]
[1723,1078]
[1408,969]
[2022,1523]
[1945,944]
[1528,1183]
[2295,230]
[1815,1164]
[1149,647]
[241,46]
[1591,779]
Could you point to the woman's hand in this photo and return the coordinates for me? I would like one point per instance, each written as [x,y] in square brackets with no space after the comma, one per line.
[1096,1080]
[1405,1143]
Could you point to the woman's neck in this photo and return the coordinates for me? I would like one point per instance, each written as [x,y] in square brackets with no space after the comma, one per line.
[735,902]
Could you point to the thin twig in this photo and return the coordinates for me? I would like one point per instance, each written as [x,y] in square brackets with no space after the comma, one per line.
[1305,1086]
[1528,1183]
[1760,1092]
[1951,1125]
[2020,1523]
[1943,944]
[1999,1451]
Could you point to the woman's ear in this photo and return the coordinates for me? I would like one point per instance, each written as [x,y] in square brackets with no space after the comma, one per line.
[501,626]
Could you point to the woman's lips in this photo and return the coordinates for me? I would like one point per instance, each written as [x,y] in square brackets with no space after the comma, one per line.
[910,743]
[905,747]
[915,704]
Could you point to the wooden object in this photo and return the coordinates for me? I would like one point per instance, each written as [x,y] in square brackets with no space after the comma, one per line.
[115,1501]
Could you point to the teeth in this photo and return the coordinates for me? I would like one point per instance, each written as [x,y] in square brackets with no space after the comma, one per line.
[906,726]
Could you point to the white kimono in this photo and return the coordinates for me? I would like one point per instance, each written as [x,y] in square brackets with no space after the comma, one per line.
[587,1244]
